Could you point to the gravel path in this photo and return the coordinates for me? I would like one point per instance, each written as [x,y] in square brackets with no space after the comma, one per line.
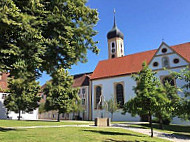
[171,137]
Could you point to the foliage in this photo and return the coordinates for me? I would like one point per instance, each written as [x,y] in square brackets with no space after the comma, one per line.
[43,35]
[41,108]
[112,106]
[149,97]
[60,93]
[23,95]
[184,108]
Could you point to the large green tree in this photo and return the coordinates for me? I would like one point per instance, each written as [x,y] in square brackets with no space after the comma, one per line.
[43,35]
[60,93]
[184,108]
[23,95]
[148,97]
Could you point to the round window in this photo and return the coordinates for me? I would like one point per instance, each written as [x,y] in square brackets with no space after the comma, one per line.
[164,50]
[176,60]
[155,64]
[113,50]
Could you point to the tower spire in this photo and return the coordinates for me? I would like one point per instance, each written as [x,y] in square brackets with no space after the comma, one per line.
[114,24]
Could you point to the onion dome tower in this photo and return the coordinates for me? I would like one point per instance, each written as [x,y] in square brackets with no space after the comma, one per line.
[115,42]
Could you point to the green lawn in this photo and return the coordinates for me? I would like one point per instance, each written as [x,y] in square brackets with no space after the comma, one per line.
[16,123]
[73,134]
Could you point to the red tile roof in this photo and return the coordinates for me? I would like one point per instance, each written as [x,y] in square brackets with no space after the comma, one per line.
[3,82]
[132,63]
[81,79]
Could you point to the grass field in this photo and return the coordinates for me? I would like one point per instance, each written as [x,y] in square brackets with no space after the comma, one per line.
[15,123]
[73,134]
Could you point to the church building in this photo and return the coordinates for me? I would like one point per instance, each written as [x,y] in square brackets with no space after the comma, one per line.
[113,77]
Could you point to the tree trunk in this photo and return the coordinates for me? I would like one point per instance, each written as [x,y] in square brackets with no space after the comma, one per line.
[58,116]
[150,122]
[111,116]
[19,115]
[161,122]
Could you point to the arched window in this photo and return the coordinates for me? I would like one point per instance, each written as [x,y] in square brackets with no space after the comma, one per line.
[98,94]
[165,62]
[168,79]
[113,44]
[119,95]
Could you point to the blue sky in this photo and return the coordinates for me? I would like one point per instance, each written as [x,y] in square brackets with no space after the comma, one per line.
[144,24]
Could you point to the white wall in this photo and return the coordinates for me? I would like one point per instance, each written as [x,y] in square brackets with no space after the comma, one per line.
[108,92]
[12,115]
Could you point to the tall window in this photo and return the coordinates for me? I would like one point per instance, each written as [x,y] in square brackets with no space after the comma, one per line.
[165,62]
[113,44]
[98,94]
[168,79]
[119,95]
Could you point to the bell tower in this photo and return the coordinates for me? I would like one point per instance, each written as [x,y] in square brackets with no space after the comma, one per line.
[115,42]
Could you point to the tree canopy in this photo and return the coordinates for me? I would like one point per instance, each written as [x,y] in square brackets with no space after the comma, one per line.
[44,35]
[60,93]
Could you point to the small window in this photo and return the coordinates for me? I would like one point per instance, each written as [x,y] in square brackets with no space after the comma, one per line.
[31,112]
[83,101]
[4,96]
[164,50]
[113,44]
[168,79]
[83,90]
[155,64]
[165,62]
[176,61]
[113,56]
[113,50]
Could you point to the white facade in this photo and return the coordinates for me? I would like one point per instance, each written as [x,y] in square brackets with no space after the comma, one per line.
[25,116]
[107,84]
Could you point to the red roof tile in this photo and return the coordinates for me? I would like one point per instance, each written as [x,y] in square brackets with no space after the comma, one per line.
[132,63]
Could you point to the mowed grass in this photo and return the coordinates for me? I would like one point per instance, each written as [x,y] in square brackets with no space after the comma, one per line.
[21,123]
[74,134]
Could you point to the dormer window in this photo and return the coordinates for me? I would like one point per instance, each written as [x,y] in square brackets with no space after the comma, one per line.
[165,62]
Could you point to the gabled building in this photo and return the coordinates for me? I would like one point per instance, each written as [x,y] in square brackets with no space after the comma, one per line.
[113,77]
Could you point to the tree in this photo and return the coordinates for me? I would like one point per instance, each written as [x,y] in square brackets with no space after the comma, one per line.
[43,35]
[60,94]
[23,95]
[76,107]
[112,106]
[168,101]
[147,99]
[184,107]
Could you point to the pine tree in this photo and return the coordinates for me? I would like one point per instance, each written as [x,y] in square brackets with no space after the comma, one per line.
[60,93]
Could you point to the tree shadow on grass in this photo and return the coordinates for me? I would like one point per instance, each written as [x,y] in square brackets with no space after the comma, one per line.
[10,129]
[111,133]
[177,135]
[113,140]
